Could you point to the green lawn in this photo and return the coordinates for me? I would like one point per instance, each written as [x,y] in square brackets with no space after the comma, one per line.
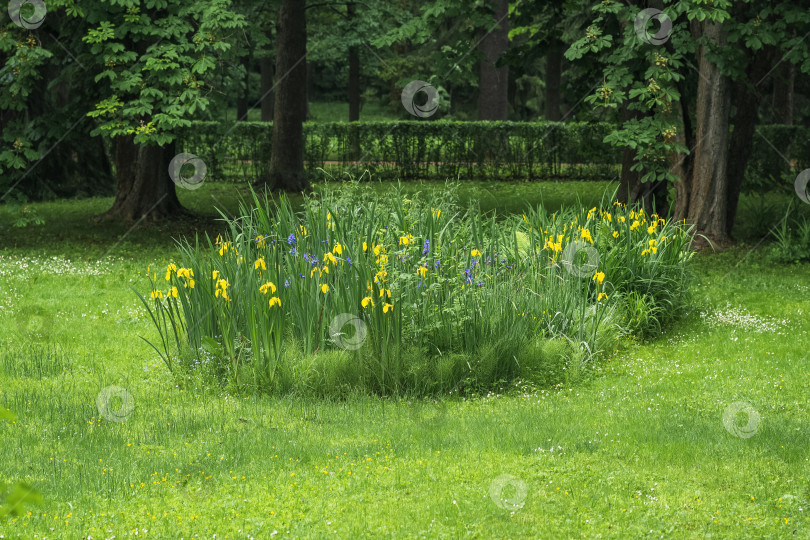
[635,447]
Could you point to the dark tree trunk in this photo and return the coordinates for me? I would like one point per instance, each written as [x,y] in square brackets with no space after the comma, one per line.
[493,87]
[354,73]
[287,160]
[266,67]
[242,101]
[747,101]
[145,189]
[709,192]
[554,58]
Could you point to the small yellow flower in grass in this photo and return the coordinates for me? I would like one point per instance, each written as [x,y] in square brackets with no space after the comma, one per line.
[338,249]
[328,257]
[387,307]
[615,234]
[586,235]
[268,286]
[365,246]
[185,273]
[651,228]
[380,276]
[366,301]
[157,294]
[325,269]
[635,225]
[302,229]
[654,250]
[324,288]
[653,242]
[382,260]
[475,253]
[328,215]
[601,296]
[384,291]
[644,252]
[260,264]
[377,248]
[223,249]
[260,242]
[436,213]
[422,270]
[621,219]
[405,240]
[598,277]
[275,301]
[172,292]
[215,274]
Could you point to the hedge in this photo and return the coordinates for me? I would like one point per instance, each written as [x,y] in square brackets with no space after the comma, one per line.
[460,150]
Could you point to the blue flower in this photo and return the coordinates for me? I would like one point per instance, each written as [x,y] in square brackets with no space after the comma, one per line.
[292,251]
[349,260]
[291,239]
[426,247]
[286,282]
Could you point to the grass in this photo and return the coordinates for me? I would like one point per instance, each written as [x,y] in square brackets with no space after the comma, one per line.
[328,112]
[635,447]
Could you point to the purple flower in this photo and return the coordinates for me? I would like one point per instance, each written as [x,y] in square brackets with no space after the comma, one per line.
[292,239]
[286,282]
[426,247]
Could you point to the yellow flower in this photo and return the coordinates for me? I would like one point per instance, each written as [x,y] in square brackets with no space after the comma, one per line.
[338,249]
[328,215]
[269,285]
[324,288]
[651,228]
[387,307]
[621,219]
[382,260]
[377,249]
[405,240]
[599,277]
[586,235]
[475,253]
[328,257]
[157,294]
[615,234]
[635,225]
[260,264]
[215,274]
[325,269]
[275,301]
[365,246]
[169,269]
[172,292]
[260,242]
[302,229]
[653,242]
[380,276]
[600,296]
[422,270]
[185,273]
[384,291]
[366,301]
[190,283]
[436,213]
[654,250]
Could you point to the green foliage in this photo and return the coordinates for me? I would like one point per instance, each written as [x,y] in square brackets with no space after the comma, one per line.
[427,280]
[791,239]
[496,150]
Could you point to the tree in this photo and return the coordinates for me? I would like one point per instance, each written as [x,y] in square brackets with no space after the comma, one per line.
[727,42]
[493,96]
[287,160]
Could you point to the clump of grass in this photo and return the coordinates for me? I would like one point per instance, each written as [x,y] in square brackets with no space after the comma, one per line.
[400,295]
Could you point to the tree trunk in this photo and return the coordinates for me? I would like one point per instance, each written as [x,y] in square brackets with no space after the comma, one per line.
[145,189]
[287,159]
[493,87]
[354,73]
[708,202]
[554,58]
[746,116]
[266,67]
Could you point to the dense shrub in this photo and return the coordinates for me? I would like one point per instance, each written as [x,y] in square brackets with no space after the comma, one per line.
[395,295]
